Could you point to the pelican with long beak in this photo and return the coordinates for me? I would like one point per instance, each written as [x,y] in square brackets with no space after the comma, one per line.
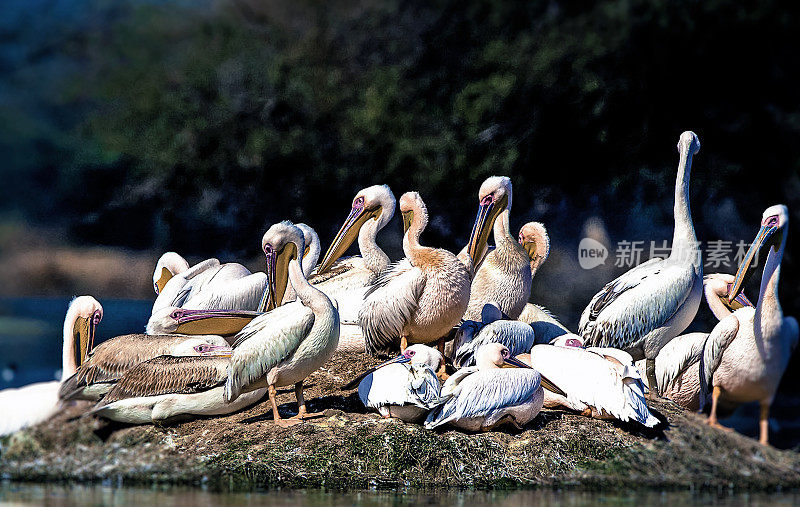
[405,387]
[28,405]
[504,275]
[284,346]
[499,390]
[645,308]
[174,320]
[168,265]
[747,352]
[418,299]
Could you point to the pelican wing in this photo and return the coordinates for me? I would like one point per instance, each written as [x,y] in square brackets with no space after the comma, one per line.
[424,389]
[264,343]
[635,304]
[517,336]
[718,340]
[174,289]
[389,304]
[168,375]
[400,384]
[483,392]
[676,356]
[238,294]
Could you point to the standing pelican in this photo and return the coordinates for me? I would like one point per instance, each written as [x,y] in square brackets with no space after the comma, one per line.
[420,298]
[35,403]
[285,345]
[504,276]
[481,397]
[405,387]
[654,302]
[167,388]
[747,352]
[597,385]
[168,265]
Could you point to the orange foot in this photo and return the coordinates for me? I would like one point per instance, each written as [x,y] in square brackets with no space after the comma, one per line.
[286,423]
[715,424]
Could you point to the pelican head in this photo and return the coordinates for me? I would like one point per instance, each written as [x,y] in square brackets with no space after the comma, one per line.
[200,347]
[168,265]
[568,340]
[496,355]
[688,143]
[494,197]
[534,239]
[281,244]
[718,285]
[172,320]
[83,316]
[372,203]
[771,236]
[413,207]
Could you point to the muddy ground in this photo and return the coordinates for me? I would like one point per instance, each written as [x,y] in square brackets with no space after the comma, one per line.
[345,447]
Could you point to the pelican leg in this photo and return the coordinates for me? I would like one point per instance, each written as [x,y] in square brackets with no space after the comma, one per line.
[302,412]
[283,423]
[712,417]
[442,373]
[650,366]
[763,424]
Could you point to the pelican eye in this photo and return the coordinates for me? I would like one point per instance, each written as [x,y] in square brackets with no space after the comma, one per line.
[773,220]
[358,202]
[409,353]
[268,249]
[177,314]
[506,353]
[96,318]
[489,199]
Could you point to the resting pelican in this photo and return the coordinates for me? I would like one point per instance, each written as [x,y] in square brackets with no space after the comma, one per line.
[285,345]
[167,388]
[597,385]
[168,265]
[405,387]
[504,276]
[747,352]
[106,363]
[420,298]
[174,320]
[482,397]
[35,403]
[654,302]
[517,336]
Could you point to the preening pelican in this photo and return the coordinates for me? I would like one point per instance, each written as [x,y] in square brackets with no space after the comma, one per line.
[346,279]
[420,298]
[285,345]
[504,276]
[168,265]
[597,385]
[642,310]
[482,397]
[107,362]
[747,352]
[517,336]
[35,403]
[717,287]
[167,388]
[405,387]
[310,257]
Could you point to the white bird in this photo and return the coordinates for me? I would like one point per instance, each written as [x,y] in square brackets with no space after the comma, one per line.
[747,352]
[482,397]
[717,287]
[643,309]
[405,387]
[285,345]
[168,265]
[596,383]
[517,336]
[25,406]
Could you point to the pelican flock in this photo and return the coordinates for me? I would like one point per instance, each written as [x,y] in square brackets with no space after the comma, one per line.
[220,338]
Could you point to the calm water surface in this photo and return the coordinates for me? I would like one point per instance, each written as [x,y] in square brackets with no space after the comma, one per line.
[53,494]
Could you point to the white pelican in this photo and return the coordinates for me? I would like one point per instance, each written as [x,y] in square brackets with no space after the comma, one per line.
[596,383]
[106,363]
[346,279]
[420,298]
[174,320]
[504,276]
[747,352]
[654,302]
[168,265]
[717,287]
[285,345]
[168,388]
[482,397]
[405,387]
[517,336]
[35,403]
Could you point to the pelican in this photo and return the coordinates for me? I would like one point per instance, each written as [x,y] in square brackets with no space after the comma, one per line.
[106,363]
[405,387]
[654,302]
[747,352]
[168,265]
[35,403]
[167,388]
[716,288]
[285,345]
[596,383]
[174,320]
[482,397]
[346,279]
[517,336]
[504,276]
[420,298]
[310,257]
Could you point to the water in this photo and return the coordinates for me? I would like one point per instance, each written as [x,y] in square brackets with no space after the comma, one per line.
[57,494]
